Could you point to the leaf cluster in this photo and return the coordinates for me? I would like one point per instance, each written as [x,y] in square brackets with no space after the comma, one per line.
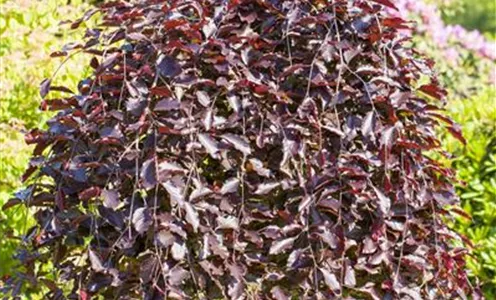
[243,149]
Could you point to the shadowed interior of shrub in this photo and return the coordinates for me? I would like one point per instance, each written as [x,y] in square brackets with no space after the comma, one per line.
[244,149]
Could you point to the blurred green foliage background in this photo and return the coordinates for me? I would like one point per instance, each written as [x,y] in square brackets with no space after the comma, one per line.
[476,166]
[30,31]
[478,15]
[472,103]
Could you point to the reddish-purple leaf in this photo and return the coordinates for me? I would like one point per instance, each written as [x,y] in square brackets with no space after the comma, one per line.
[266,188]
[165,238]
[162,91]
[434,91]
[11,203]
[136,36]
[89,193]
[227,222]
[58,54]
[178,251]
[94,63]
[200,192]
[456,132]
[259,168]
[387,3]
[109,62]
[61,89]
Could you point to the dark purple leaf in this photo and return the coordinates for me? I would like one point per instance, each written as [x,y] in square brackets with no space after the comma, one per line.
[266,188]
[11,203]
[210,144]
[176,194]
[200,192]
[331,280]
[236,289]
[168,66]
[165,238]
[178,251]
[384,201]
[230,186]
[96,262]
[387,3]
[115,218]
[227,222]
[142,219]
[278,293]
[456,132]
[89,193]
[136,36]
[238,142]
[280,246]
[368,124]
[149,173]
[177,275]
[162,91]
[167,105]
[203,98]
[45,87]
[170,168]
[61,89]
[349,277]
[192,216]
[109,62]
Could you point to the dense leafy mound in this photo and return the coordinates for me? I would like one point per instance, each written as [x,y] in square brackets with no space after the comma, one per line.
[244,149]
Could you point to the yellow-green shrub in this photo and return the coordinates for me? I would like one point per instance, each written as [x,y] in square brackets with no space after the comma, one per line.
[29,32]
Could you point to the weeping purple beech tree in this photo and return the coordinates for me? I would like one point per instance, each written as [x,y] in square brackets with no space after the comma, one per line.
[243,149]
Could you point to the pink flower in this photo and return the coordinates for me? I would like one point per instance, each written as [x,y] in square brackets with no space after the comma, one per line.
[445,36]
[452,56]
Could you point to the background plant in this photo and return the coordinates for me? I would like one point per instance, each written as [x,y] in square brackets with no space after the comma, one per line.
[476,165]
[465,59]
[29,32]
[469,75]
[465,13]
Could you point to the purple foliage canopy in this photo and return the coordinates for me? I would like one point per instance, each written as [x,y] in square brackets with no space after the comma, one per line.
[244,149]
